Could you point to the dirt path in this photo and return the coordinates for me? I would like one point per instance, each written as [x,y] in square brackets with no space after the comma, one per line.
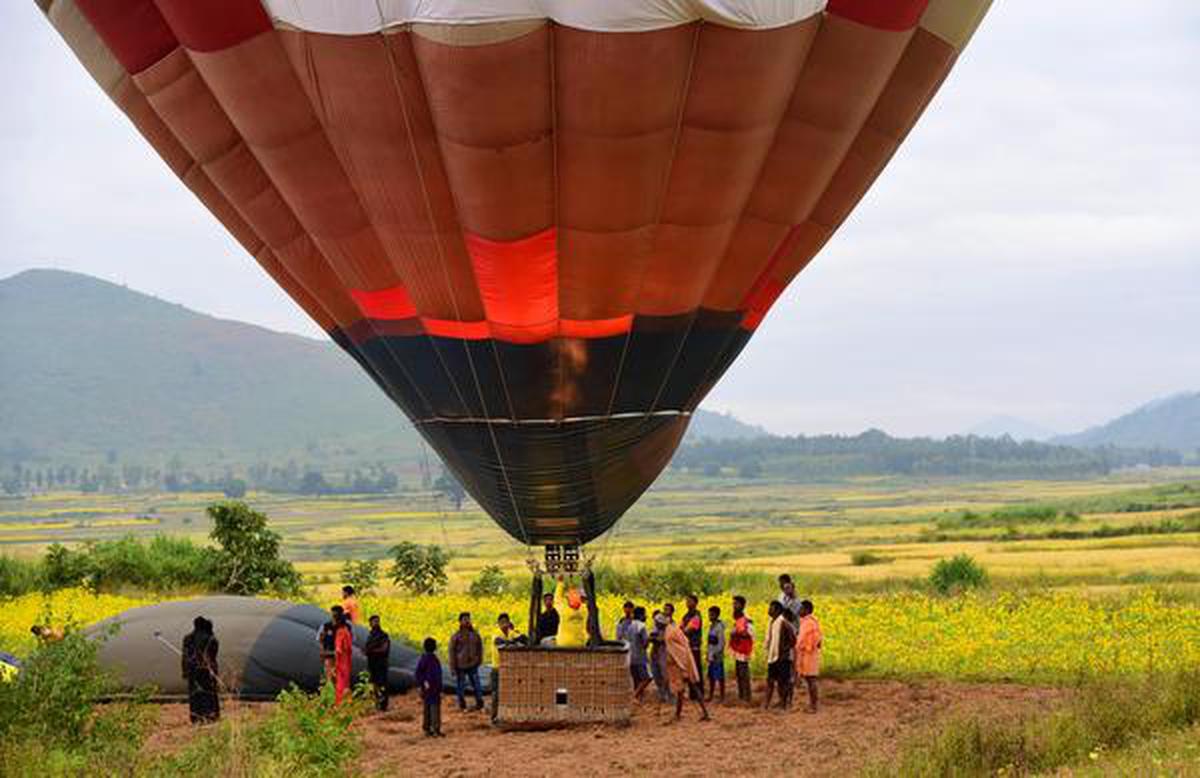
[859,721]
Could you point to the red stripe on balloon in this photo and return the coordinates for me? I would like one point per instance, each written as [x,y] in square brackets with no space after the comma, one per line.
[518,282]
[212,25]
[894,15]
[595,328]
[463,330]
[390,303]
[767,287]
[134,31]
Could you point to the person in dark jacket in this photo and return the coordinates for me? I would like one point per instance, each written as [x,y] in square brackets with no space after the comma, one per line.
[428,677]
[466,654]
[199,666]
[547,620]
[377,648]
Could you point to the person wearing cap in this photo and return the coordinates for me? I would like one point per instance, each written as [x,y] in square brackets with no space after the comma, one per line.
[572,629]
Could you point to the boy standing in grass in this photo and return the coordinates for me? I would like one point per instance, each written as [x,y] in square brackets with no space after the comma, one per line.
[429,680]
[377,649]
[350,605]
[741,645]
[808,652]
[716,652]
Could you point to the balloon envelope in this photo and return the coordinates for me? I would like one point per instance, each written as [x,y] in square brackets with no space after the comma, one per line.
[545,229]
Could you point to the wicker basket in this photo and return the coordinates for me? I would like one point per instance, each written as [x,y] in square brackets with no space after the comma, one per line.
[546,687]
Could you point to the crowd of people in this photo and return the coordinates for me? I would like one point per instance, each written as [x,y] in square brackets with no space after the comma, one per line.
[679,657]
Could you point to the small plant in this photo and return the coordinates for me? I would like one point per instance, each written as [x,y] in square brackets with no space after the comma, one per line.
[864,558]
[419,569]
[956,574]
[363,575]
[490,582]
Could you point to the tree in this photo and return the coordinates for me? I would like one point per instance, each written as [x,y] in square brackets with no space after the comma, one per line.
[362,575]
[449,486]
[248,560]
[751,469]
[313,482]
[419,569]
[490,582]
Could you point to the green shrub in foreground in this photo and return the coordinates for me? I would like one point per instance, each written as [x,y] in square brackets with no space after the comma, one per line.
[956,574]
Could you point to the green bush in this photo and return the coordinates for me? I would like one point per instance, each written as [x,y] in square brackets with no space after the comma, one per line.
[363,575]
[248,560]
[50,722]
[304,735]
[490,582]
[419,569]
[956,574]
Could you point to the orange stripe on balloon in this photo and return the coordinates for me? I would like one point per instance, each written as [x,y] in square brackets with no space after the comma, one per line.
[518,282]
[595,328]
[390,303]
[767,288]
[464,330]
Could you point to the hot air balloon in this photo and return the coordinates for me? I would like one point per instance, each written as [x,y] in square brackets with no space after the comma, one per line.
[545,228]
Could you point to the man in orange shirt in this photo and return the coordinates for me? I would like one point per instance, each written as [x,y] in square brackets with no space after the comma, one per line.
[350,605]
[808,652]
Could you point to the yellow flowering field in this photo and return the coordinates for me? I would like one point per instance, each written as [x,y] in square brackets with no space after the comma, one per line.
[1044,637]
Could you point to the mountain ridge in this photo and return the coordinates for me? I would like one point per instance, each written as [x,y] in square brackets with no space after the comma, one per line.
[89,367]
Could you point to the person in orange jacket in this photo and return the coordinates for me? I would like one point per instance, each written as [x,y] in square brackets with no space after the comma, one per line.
[808,652]
[350,605]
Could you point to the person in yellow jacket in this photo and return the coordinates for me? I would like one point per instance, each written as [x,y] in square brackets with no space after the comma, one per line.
[507,634]
[569,601]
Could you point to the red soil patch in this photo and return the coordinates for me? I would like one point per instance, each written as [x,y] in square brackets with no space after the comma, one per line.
[859,721]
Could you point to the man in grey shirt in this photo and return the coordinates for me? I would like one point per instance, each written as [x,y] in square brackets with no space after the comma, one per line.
[788,599]
[638,640]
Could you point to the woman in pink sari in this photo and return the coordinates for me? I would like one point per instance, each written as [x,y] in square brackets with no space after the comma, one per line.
[682,675]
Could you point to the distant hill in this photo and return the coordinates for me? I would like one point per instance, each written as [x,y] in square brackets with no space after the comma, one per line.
[1170,422]
[1017,429]
[722,426]
[88,367]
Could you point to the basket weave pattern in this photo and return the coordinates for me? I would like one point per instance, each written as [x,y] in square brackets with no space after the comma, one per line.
[533,681]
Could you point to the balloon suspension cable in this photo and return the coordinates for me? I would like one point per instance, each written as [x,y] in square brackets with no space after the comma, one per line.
[427,477]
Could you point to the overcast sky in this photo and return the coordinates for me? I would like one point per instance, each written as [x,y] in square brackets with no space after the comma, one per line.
[1033,250]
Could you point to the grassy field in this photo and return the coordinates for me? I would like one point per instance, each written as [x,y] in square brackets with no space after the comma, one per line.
[810,530]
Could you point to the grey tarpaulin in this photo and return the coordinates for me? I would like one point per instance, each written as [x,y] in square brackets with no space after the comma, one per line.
[266,645]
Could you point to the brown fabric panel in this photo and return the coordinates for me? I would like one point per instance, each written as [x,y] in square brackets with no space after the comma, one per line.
[684,259]
[232,184]
[846,70]
[739,89]
[81,37]
[456,271]
[349,82]
[182,98]
[809,239]
[491,107]
[258,89]
[598,271]
[617,97]
[130,100]
[917,76]
[306,263]
[753,244]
